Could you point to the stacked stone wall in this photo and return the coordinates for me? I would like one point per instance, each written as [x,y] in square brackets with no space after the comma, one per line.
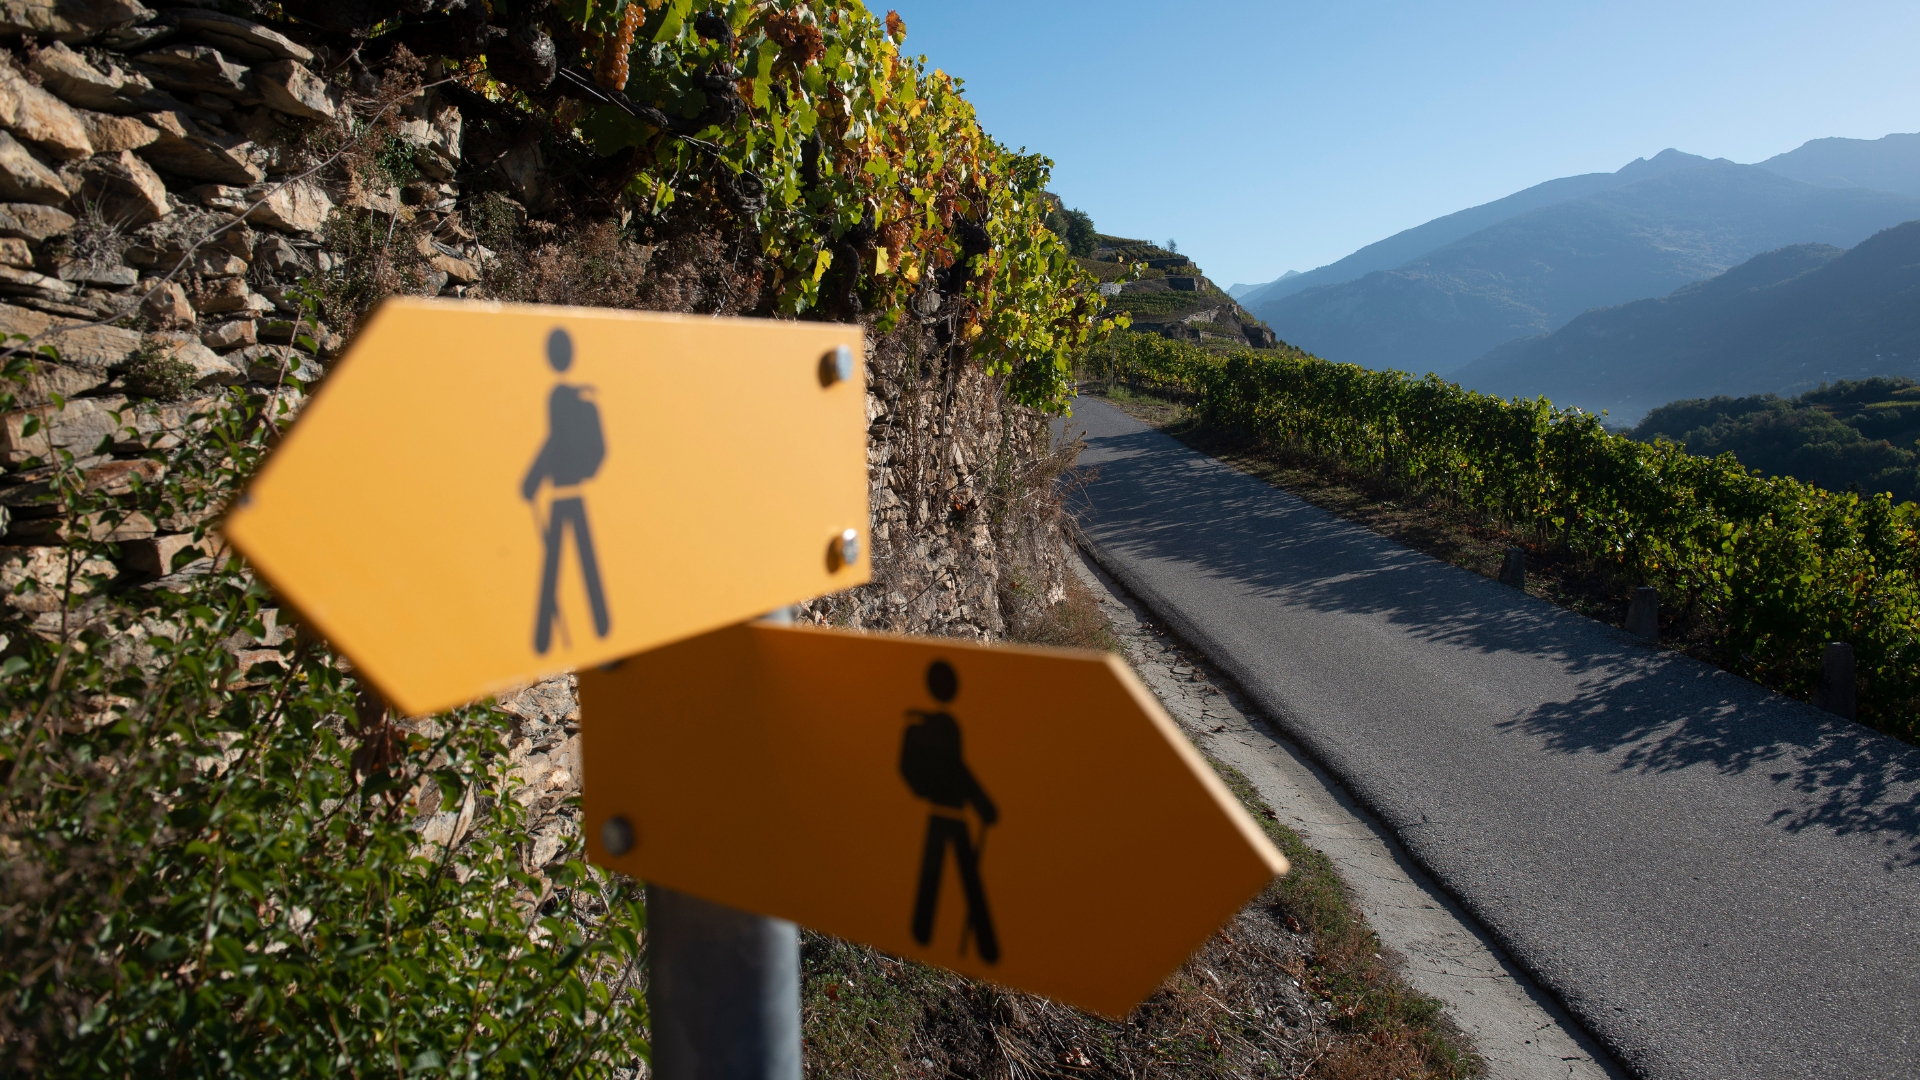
[193,200]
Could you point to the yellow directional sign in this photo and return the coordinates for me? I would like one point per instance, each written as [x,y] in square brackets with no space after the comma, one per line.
[483,494]
[1028,816]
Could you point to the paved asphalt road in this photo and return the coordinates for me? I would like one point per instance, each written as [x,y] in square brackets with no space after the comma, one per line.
[1716,880]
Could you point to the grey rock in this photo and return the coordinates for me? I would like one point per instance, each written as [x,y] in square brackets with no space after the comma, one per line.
[217,262]
[229,335]
[167,306]
[460,271]
[224,296]
[209,367]
[288,87]
[525,168]
[31,221]
[15,252]
[382,201]
[552,702]
[111,134]
[70,77]
[24,179]
[78,305]
[80,427]
[156,556]
[97,347]
[189,149]
[115,277]
[135,38]
[436,143]
[250,39]
[195,69]
[123,189]
[279,257]
[15,282]
[223,197]
[69,20]
[297,206]
[67,381]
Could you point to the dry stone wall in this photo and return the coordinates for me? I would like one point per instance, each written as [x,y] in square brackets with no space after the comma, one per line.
[185,191]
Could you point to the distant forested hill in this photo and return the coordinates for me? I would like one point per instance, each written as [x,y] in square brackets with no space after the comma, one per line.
[1782,322]
[1847,436]
[1533,273]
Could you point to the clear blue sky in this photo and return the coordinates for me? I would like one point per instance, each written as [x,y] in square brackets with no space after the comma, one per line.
[1267,137]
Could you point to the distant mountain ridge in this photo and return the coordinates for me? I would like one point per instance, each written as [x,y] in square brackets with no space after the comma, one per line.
[1891,163]
[1238,291]
[1886,164]
[1783,322]
[1410,244]
[1532,273]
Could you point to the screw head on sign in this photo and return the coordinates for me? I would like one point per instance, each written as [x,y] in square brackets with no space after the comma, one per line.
[849,548]
[836,366]
[616,835]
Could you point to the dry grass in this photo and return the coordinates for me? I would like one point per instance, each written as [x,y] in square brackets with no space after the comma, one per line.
[1075,621]
[1296,985]
[693,265]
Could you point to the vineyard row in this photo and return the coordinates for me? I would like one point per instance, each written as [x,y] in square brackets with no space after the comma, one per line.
[1775,567]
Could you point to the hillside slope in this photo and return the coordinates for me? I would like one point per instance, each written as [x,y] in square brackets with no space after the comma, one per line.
[1887,164]
[1535,272]
[1410,244]
[1843,436]
[1782,322]
[1165,293]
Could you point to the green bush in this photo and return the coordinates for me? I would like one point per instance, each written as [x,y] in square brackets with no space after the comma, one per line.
[1076,228]
[1777,567]
[866,175]
[215,864]
[1847,435]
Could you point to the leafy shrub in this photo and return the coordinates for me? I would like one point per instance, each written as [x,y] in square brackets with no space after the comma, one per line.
[154,373]
[1076,228]
[1848,435]
[866,176]
[1778,567]
[219,860]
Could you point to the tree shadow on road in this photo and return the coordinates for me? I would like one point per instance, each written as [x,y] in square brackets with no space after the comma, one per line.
[1653,711]
[1188,509]
[1834,774]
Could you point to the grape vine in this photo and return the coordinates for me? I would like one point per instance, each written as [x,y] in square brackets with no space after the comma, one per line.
[1776,566]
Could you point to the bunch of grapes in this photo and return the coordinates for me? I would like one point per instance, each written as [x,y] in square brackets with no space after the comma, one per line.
[610,70]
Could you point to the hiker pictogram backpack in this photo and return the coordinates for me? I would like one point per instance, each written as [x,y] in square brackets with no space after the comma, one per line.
[575,446]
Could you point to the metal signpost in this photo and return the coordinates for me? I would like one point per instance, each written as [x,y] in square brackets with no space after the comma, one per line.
[616,493]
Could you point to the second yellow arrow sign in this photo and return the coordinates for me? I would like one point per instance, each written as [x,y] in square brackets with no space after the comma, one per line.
[1029,816]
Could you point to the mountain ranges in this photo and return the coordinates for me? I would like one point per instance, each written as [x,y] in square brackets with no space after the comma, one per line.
[1436,297]
[1784,322]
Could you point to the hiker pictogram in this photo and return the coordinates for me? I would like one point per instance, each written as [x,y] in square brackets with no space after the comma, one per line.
[931,763]
[574,449]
